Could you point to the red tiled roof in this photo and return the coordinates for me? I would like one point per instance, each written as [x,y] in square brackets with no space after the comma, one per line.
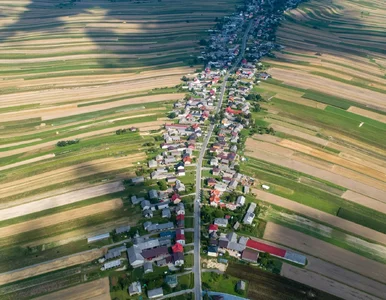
[180,217]
[213,227]
[177,248]
[266,248]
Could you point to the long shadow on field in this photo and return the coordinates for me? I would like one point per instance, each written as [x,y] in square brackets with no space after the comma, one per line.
[115,27]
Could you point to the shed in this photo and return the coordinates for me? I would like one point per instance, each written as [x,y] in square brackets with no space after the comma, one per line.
[155,293]
[98,237]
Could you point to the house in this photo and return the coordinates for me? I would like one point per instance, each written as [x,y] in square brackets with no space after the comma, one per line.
[211,182]
[152,163]
[220,187]
[178,258]
[171,179]
[213,251]
[180,236]
[122,229]
[145,204]
[246,189]
[138,180]
[135,288]
[162,205]
[233,184]
[176,199]
[179,186]
[240,201]
[180,221]
[214,161]
[115,252]
[250,255]
[147,213]
[171,280]
[153,194]
[240,285]
[166,213]
[216,171]
[135,258]
[213,228]
[180,209]
[181,172]
[155,293]
[147,267]
[178,248]
[236,226]
[111,265]
[135,200]
[150,254]
[249,215]
[232,237]
[221,222]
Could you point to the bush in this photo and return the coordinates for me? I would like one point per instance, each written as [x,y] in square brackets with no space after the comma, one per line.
[66,143]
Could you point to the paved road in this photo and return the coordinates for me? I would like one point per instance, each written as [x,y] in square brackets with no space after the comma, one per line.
[197,208]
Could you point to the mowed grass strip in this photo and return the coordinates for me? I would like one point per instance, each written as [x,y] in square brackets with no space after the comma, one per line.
[326,119]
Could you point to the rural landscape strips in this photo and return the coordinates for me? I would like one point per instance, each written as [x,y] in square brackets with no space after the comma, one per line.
[85,97]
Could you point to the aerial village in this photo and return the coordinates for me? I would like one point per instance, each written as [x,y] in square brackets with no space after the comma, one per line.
[162,240]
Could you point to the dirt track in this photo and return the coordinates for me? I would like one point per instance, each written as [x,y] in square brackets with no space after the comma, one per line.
[71,197]
[341,257]
[255,149]
[324,284]
[61,217]
[321,216]
[50,266]
[95,290]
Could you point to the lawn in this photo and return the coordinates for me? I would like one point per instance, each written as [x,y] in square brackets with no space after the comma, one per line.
[189,260]
[220,283]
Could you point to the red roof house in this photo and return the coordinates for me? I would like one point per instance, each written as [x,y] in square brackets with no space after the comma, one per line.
[177,248]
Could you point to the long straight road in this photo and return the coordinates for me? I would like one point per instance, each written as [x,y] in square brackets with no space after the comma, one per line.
[197,208]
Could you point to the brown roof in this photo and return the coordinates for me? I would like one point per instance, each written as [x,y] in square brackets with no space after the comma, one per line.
[250,255]
[155,252]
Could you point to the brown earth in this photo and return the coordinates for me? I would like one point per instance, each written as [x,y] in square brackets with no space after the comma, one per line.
[365,201]
[267,152]
[300,134]
[95,290]
[321,216]
[328,252]
[367,113]
[55,201]
[50,266]
[325,284]
[67,174]
[61,217]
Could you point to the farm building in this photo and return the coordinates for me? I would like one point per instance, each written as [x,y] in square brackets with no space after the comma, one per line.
[249,215]
[138,180]
[98,237]
[122,229]
[115,252]
[250,255]
[112,264]
[155,293]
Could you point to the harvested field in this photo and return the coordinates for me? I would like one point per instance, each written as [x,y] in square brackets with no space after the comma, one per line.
[265,285]
[307,81]
[28,161]
[301,135]
[321,216]
[325,284]
[367,113]
[66,174]
[269,152]
[309,245]
[365,201]
[50,266]
[61,217]
[75,196]
[95,290]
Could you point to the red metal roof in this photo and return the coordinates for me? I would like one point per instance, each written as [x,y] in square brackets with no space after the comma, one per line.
[266,248]
[178,248]
[213,227]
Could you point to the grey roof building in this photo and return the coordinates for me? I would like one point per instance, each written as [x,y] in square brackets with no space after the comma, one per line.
[135,200]
[166,213]
[135,288]
[115,252]
[112,264]
[221,222]
[171,280]
[122,229]
[135,258]
[155,293]
[145,204]
[148,267]
[153,194]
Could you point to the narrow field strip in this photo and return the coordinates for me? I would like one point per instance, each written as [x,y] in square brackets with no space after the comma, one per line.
[50,266]
[19,143]
[283,160]
[67,174]
[26,162]
[95,290]
[325,284]
[75,196]
[61,217]
[313,213]
[325,251]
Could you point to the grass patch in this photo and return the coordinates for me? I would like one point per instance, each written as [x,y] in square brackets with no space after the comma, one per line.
[370,221]
[220,283]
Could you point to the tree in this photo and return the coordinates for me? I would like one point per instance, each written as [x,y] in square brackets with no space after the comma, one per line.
[162,185]
[218,213]
[172,115]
